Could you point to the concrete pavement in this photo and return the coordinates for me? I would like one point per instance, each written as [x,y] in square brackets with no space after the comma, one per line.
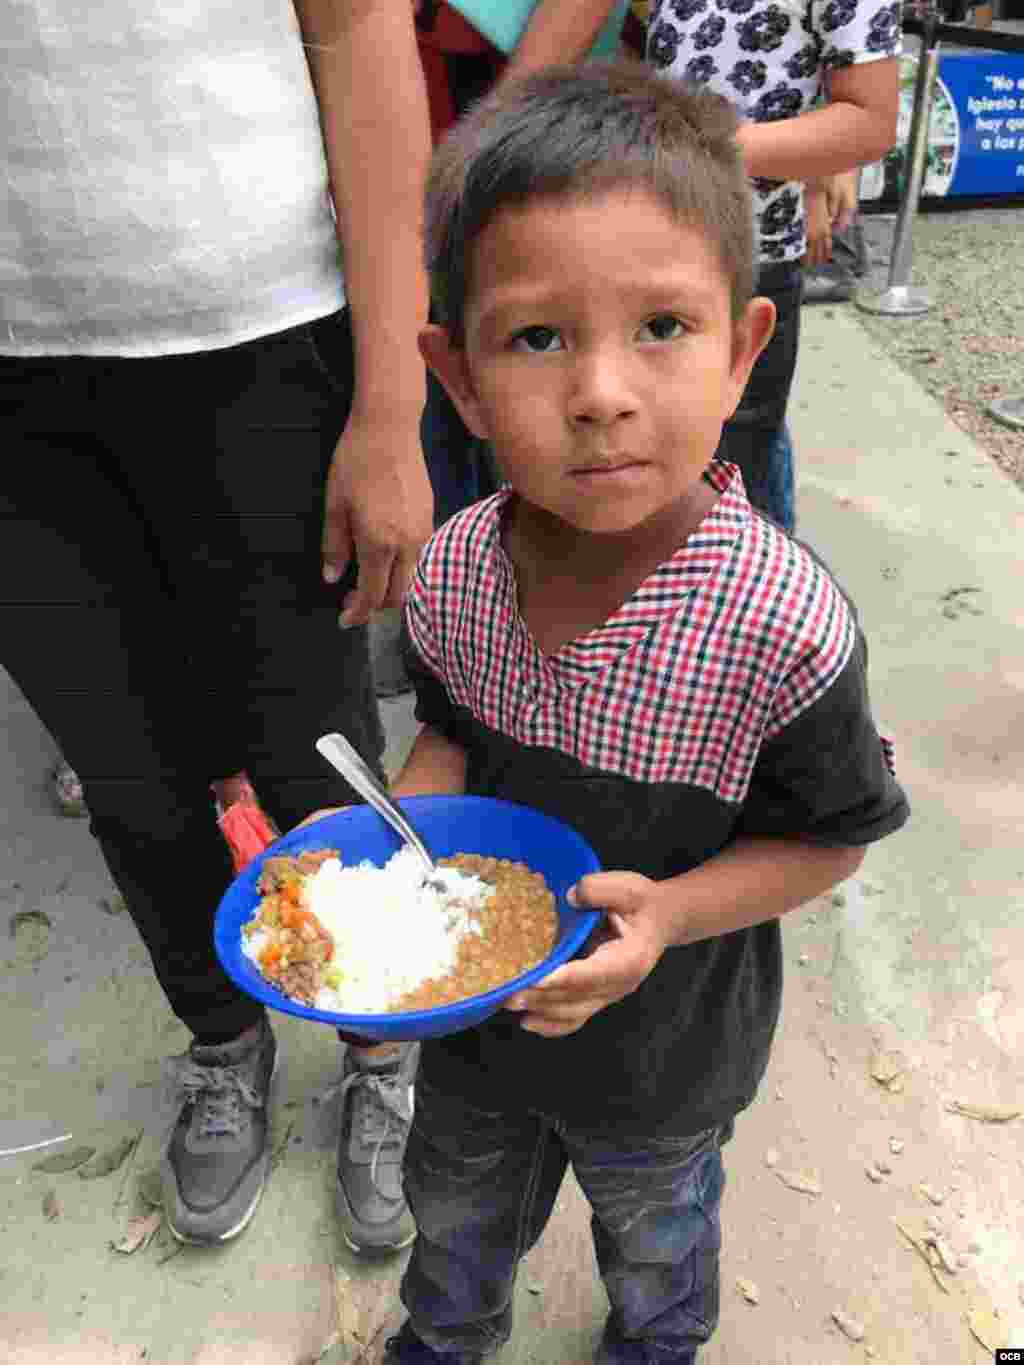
[920,958]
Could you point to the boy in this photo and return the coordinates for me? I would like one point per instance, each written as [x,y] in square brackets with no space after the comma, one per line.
[617,639]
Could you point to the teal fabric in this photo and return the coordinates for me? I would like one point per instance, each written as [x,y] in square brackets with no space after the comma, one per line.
[502,22]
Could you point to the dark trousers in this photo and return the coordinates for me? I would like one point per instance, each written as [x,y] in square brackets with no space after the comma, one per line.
[162,610]
[755,437]
[481,1187]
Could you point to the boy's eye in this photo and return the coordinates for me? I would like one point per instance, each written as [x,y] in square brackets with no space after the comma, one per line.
[537,339]
[664,327]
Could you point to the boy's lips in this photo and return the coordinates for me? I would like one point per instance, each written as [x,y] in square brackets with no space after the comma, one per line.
[610,470]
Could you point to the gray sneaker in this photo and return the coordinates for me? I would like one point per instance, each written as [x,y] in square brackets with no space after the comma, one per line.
[216,1164]
[376,1112]
[829,283]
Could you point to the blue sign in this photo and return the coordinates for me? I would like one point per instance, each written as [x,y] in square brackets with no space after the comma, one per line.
[987,91]
[976,131]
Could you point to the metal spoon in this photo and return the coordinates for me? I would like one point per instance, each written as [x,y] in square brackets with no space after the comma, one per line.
[340,754]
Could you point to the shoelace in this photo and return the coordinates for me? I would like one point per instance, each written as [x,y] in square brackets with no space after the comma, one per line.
[383,1115]
[217,1094]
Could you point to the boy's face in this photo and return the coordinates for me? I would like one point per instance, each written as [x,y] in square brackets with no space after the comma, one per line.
[600,358]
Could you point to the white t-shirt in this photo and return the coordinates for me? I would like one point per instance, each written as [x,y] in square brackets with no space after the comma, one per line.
[769,58]
[164,187]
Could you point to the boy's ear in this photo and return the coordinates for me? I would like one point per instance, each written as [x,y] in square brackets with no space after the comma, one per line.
[449,364]
[750,335]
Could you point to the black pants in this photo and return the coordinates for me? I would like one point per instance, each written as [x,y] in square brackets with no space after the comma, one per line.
[162,610]
[754,438]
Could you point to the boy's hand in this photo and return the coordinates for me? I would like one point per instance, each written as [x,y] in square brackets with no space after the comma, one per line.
[622,953]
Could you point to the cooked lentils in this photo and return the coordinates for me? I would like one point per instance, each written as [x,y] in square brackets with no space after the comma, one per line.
[518,928]
[518,924]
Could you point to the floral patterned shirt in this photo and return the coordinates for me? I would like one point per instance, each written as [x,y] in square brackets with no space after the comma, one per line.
[770,59]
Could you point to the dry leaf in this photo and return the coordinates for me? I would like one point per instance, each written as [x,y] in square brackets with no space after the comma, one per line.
[51,1209]
[110,1160]
[985,1113]
[885,1067]
[849,1327]
[348,1316]
[748,1289]
[986,1328]
[806,1182]
[933,1195]
[138,1233]
[150,1187]
[921,1247]
[944,1252]
[61,1162]
[36,918]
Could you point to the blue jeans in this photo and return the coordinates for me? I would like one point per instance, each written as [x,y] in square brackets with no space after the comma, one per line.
[781,490]
[755,438]
[460,465]
[482,1185]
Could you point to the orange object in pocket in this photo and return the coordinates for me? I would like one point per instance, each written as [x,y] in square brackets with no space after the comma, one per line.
[246,827]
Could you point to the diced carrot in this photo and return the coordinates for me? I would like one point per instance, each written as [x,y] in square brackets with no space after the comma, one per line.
[271,955]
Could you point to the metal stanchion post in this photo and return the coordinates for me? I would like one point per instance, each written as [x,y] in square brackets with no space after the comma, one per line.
[900,298]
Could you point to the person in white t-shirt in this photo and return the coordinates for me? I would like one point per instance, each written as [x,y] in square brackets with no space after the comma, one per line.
[212,444]
[210,266]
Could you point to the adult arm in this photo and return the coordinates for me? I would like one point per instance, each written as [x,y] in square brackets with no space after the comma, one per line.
[558,31]
[858,126]
[376,131]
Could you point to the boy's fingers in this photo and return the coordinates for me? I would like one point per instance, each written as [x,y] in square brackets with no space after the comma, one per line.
[621,891]
[589,979]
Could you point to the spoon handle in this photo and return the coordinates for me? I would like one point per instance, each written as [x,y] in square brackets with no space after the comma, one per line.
[340,754]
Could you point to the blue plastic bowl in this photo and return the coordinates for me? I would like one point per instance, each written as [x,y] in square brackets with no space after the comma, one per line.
[447,825]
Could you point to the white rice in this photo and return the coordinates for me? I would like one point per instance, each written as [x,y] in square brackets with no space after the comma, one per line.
[390,932]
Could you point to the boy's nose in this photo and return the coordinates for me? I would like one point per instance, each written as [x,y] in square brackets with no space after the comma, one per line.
[601,392]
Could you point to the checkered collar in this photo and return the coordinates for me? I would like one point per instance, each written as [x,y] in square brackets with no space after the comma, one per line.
[659,597]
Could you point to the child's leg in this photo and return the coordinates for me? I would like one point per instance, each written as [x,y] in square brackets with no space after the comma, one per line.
[481,1187]
[657,1236]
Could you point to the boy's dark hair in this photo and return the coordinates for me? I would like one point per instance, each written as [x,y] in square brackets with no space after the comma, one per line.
[581,130]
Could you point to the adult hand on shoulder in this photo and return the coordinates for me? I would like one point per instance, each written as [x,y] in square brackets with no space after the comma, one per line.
[623,953]
[378,507]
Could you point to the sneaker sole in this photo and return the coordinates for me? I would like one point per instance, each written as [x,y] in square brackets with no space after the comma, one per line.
[224,1236]
[247,1216]
[367,1248]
